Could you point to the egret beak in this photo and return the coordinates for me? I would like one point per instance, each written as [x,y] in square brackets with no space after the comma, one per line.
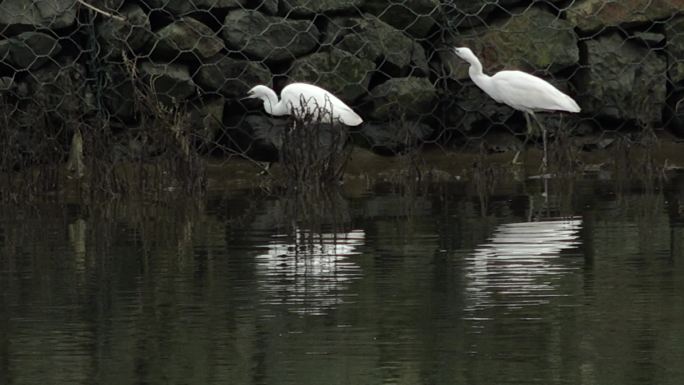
[250,95]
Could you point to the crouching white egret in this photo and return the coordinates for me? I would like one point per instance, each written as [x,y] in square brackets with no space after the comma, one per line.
[305,100]
[519,90]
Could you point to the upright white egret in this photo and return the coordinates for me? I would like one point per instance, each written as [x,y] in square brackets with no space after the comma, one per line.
[303,100]
[519,90]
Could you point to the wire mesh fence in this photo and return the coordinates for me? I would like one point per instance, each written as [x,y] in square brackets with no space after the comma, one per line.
[103,88]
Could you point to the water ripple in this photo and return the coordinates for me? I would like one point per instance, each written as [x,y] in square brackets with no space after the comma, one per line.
[309,273]
[519,264]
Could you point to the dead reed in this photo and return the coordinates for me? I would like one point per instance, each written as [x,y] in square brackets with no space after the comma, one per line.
[314,150]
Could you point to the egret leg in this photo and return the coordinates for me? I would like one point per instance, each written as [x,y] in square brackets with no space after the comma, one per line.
[527,137]
[543,130]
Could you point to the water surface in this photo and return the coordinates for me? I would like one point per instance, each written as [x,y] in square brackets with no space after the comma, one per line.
[436,287]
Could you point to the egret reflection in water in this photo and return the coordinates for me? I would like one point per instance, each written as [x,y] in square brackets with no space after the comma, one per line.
[309,272]
[519,263]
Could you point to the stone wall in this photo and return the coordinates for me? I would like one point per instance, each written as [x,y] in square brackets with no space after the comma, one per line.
[64,65]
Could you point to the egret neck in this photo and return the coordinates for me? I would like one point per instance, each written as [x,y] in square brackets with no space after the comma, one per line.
[479,78]
[272,105]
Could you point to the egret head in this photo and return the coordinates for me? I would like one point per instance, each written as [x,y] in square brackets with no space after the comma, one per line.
[260,92]
[465,53]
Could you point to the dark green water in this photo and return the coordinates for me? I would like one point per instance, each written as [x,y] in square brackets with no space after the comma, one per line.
[384,288]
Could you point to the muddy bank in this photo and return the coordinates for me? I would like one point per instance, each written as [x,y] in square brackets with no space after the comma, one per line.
[366,168]
[624,160]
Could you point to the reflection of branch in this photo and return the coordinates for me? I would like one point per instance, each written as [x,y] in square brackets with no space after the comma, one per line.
[98,10]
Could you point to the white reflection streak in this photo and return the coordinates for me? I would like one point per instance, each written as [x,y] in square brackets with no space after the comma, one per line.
[516,266]
[308,273]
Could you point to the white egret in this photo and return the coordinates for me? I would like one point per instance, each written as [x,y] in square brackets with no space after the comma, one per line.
[304,100]
[519,90]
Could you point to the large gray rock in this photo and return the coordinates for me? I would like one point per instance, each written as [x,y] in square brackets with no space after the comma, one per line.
[263,137]
[111,6]
[463,13]
[187,35]
[265,131]
[28,50]
[258,136]
[372,39]
[594,15]
[470,107]
[60,89]
[183,7]
[312,7]
[674,32]
[231,77]
[339,72]
[266,6]
[269,37]
[622,80]
[479,8]
[53,14]
[131,34]
[171,83]
[401,98]
[176,7]
[415,17]
[532,40]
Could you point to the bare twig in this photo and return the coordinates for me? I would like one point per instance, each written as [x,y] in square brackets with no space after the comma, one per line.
[98,10]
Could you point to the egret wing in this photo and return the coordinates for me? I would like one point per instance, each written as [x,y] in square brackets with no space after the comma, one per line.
[316,99]
[526,92]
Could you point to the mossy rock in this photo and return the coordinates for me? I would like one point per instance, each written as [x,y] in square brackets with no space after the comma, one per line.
[52,14]
[312,7]
[535,40]
[171,83]
[132,34]
[28,50]
[231,77]
[401,98]
[268,37]
[595,15]
[187,35]
[184,7]
[415,17]
[372,39]
[341,73]
[622,80]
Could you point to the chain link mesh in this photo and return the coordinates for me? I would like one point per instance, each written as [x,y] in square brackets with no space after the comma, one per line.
[97,84]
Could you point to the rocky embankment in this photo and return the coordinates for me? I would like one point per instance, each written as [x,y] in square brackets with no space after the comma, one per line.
[64,65]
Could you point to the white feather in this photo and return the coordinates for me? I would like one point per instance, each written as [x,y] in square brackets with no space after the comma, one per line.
[523,91]
[518,89]
[303,99]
